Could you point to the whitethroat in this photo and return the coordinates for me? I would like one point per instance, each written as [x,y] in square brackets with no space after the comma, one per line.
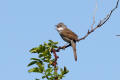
[68,36]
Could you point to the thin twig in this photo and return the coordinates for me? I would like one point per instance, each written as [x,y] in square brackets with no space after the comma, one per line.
[101,22]
[94,14]
[117,35]
[63,47]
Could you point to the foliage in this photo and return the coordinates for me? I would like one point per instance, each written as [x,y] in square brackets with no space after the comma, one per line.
[45,62]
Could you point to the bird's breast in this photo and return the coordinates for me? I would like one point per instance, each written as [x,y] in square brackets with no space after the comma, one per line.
[65,38]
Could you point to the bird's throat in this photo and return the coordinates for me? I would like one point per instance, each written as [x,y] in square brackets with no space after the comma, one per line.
[60,29]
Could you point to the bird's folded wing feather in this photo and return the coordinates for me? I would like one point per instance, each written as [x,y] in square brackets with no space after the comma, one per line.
[69,34]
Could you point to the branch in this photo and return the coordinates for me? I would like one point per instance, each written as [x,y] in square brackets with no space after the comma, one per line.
[117,35]
[56,57]
[55,62]
[94,17]
[100,24]
[63,47]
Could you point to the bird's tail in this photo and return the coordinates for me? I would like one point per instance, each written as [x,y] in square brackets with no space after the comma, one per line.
[73,44]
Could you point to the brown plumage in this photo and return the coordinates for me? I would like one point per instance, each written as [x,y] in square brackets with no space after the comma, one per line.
[68,36]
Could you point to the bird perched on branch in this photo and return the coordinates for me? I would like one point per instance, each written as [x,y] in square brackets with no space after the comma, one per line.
[68,36]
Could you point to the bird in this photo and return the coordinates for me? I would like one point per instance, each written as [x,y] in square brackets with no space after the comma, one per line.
[68,36]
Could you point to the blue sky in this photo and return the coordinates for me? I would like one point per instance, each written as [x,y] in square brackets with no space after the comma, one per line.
[25,24]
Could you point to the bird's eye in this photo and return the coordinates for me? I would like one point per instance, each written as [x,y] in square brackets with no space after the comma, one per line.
[58,26]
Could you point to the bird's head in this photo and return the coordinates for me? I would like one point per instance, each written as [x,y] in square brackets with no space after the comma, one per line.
[60,27]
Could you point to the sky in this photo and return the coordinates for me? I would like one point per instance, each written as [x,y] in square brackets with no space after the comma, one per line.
[25,24]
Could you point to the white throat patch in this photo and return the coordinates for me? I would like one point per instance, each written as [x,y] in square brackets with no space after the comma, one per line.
[60,29]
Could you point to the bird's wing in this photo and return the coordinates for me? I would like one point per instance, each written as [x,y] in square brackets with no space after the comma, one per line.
[69,34]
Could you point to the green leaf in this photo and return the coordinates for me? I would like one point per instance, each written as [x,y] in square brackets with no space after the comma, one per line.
[49,74]
[39,64]
[40,55]
[43,77]
[50,41]
[34,70]
[49,70]
[61,76]
[52,78]
[45,44]
[55,47]
[55,42]
[49,44]
[35,59]
[65,70]
[41,67]
[55,73]
[31,63]
[41,48]
[33,50]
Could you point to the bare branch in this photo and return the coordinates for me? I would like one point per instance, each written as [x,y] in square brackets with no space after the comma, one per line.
[100,24]
[63,47]
[94,14]
[117,35]
[55,62]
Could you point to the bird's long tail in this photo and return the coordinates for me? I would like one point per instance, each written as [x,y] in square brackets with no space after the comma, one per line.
[73,44]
